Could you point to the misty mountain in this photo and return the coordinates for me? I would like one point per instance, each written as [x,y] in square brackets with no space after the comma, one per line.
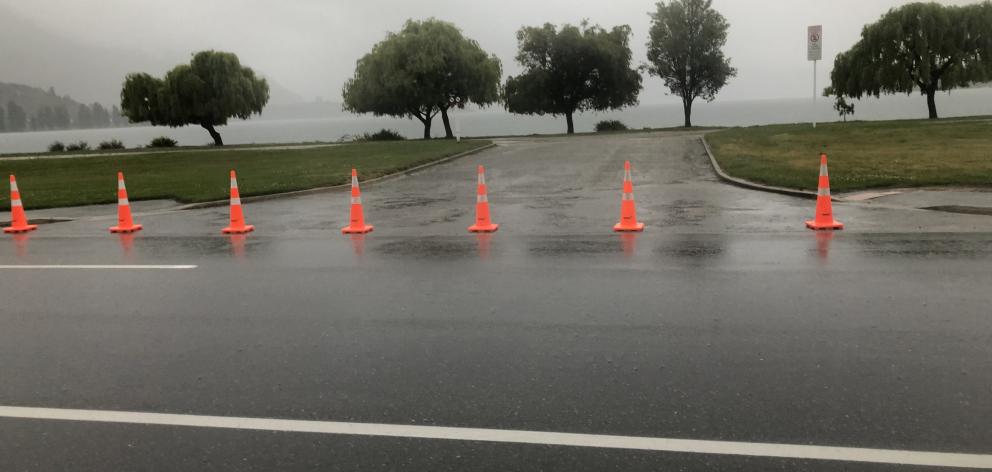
[33,99]
[42,58]
[89,72]
[26,108]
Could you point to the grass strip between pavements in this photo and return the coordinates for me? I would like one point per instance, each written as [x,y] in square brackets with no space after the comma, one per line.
[200,175]
[862,155]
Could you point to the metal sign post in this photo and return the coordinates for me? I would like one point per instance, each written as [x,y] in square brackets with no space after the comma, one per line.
[814,52]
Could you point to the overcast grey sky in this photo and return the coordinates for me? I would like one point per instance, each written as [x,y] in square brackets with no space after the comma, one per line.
[310,46]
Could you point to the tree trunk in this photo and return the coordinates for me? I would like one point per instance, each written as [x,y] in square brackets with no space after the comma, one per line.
[687,112]
[447,124]
[213,134]
[931,104]
[571,126]
[427,126]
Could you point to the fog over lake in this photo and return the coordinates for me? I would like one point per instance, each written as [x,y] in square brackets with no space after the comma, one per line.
[495,121]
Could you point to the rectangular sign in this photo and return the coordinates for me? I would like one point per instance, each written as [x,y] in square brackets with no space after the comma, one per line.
[814,43]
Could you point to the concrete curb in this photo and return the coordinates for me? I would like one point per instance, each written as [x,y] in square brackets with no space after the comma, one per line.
[310,191]
[753,185]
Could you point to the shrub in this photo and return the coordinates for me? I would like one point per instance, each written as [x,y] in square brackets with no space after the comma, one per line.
[57,146]
[78,146]
[162,142]
[382,135]
[112,144]
[610,125]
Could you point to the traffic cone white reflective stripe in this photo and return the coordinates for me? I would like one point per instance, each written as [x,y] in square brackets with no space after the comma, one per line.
[482,192]
[237,225]
[628,185]
[628,211]
[357,220]
[823,187]
[235,194]
[18,220]
[483,222]
[356,193]
[824,218]
[125,223]
[121,191]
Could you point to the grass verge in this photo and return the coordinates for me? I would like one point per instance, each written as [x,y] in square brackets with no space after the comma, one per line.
[202,175]
[876,154]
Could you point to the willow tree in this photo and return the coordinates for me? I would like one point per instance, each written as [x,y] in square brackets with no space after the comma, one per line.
[213,88]
[425,69]
[925,47]
[572,69]
[686,50]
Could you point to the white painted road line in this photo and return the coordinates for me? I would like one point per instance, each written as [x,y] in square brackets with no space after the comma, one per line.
[95,266]
[791,451]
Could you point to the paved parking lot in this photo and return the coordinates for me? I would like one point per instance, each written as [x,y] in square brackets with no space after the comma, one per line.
[726,322]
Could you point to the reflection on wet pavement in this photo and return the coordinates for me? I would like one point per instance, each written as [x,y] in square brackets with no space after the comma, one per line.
[20,241]
[628,242]
[823,239]
[483,242]
[238,245]
[127,245]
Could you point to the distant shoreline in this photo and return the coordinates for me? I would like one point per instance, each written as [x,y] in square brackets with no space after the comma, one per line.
[495,121]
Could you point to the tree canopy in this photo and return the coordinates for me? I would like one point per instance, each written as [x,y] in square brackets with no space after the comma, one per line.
[571,69]
[425,69]
[208,91]
[84,117]
[685,50]
[920,46]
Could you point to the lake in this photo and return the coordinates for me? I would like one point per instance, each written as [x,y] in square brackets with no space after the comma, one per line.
[496,121]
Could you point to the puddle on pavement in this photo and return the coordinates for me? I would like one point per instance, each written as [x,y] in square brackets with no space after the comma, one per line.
[924,247]
[685,212]
[432,248]
[573,246]
[446,216]
[551,203]
[692,248]
[409,202]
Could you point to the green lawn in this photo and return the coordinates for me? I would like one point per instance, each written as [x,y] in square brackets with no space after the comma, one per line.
[202,175]
[876,154]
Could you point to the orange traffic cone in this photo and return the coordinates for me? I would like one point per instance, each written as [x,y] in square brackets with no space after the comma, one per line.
[824,218]
[125,224]
[357,225]
[482,222]
[628,213]
[18,221]
[238,225]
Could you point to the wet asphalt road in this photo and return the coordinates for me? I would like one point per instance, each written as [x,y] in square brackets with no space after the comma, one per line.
[725,320]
